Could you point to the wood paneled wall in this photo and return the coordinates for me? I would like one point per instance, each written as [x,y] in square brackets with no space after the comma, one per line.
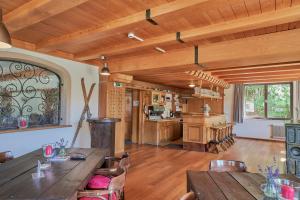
[112,105]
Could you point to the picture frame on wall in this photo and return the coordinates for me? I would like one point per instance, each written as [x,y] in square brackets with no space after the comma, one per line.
[156,96]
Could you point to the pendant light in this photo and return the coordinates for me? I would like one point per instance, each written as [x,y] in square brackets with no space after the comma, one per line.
[192,84]
[5,40]
[104,70]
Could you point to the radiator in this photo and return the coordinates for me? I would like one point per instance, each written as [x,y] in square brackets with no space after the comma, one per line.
[277,131]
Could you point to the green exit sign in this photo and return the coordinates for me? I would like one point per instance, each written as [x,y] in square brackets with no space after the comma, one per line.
[118,84]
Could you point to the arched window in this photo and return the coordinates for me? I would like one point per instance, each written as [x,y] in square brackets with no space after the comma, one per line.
[29,95]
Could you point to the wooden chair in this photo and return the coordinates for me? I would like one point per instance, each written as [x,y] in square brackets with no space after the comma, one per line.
[114,191]
[103,176]
[116,163]
[227,166]
[188,196]
[6,156]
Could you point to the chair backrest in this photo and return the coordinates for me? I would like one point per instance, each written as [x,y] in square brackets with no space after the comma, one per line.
[188,196]
[227,166]
[6,156]
[117,183]
[125,162]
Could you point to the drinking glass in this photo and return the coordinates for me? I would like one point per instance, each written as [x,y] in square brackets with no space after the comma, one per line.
[9,155]
[48,151]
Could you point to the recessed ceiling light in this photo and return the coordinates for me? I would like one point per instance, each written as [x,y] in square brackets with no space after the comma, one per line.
[192,84]
[160,50]
[133,36]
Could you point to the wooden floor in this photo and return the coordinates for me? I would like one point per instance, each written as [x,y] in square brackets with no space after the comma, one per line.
[159,173]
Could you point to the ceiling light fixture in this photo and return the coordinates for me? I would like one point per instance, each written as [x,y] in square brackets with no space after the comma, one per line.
[160,50]
[133,36]
[192,84]
[5,40]
[104,70]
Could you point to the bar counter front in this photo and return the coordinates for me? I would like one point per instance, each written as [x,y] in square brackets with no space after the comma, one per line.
[199,131]
[62,180]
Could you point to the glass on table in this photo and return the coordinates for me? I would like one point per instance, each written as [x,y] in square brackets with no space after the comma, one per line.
[8,155]
[48,153]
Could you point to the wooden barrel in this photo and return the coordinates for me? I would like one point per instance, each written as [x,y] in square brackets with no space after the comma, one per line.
[103,134]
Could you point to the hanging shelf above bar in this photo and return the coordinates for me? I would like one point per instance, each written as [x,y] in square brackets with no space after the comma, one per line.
[209,78]
[205,96]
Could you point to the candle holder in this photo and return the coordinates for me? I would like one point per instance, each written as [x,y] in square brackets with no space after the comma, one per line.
[23,122]
[48,152]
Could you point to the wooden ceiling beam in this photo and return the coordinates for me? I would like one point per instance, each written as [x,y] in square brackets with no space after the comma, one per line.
[36,11]
[257,50]
[181,57]
[112,27]
[23,45]
[266,74]
[254,67]
[287,78]
[261,69]
[239,25]
[262,77]
[272,80]
[32,47]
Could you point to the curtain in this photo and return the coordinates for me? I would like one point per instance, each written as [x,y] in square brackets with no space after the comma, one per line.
[238,103]
[297,103]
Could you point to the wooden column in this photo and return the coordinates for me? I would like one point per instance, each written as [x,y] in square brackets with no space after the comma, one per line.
[112,105]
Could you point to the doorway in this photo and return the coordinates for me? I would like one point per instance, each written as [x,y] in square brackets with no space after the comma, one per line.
[132,110]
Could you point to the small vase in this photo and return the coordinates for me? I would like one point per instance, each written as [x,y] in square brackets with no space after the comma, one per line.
[23,122]
[62,151]
[271,189]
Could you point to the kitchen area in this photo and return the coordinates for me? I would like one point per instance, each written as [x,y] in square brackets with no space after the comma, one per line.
[190,118]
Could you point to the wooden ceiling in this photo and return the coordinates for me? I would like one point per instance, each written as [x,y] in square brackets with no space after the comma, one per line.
[239,41]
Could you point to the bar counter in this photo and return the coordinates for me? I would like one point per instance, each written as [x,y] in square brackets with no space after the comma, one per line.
[196,129]
[160,132]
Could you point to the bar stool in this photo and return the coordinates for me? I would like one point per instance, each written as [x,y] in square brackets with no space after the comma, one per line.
[214,142]
[230,125]
[221,139]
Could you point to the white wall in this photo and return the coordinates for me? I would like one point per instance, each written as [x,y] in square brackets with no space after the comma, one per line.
[253,128]
[228,103]
[24,142]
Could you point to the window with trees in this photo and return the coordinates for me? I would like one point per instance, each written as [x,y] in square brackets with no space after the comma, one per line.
[29,92]
[271,101]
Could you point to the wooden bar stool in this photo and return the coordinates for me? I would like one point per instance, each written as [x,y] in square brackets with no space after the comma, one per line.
[214,146]
[231,132]
[227,139]
[213,141]
[221,138]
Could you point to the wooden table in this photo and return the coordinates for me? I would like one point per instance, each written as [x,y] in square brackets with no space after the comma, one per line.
[62,180]
[227,185]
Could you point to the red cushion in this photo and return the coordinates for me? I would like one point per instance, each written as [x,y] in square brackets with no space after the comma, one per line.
[114,197]
[98,182]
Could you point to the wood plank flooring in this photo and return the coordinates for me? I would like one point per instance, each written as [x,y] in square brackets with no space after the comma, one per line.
[160,173]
